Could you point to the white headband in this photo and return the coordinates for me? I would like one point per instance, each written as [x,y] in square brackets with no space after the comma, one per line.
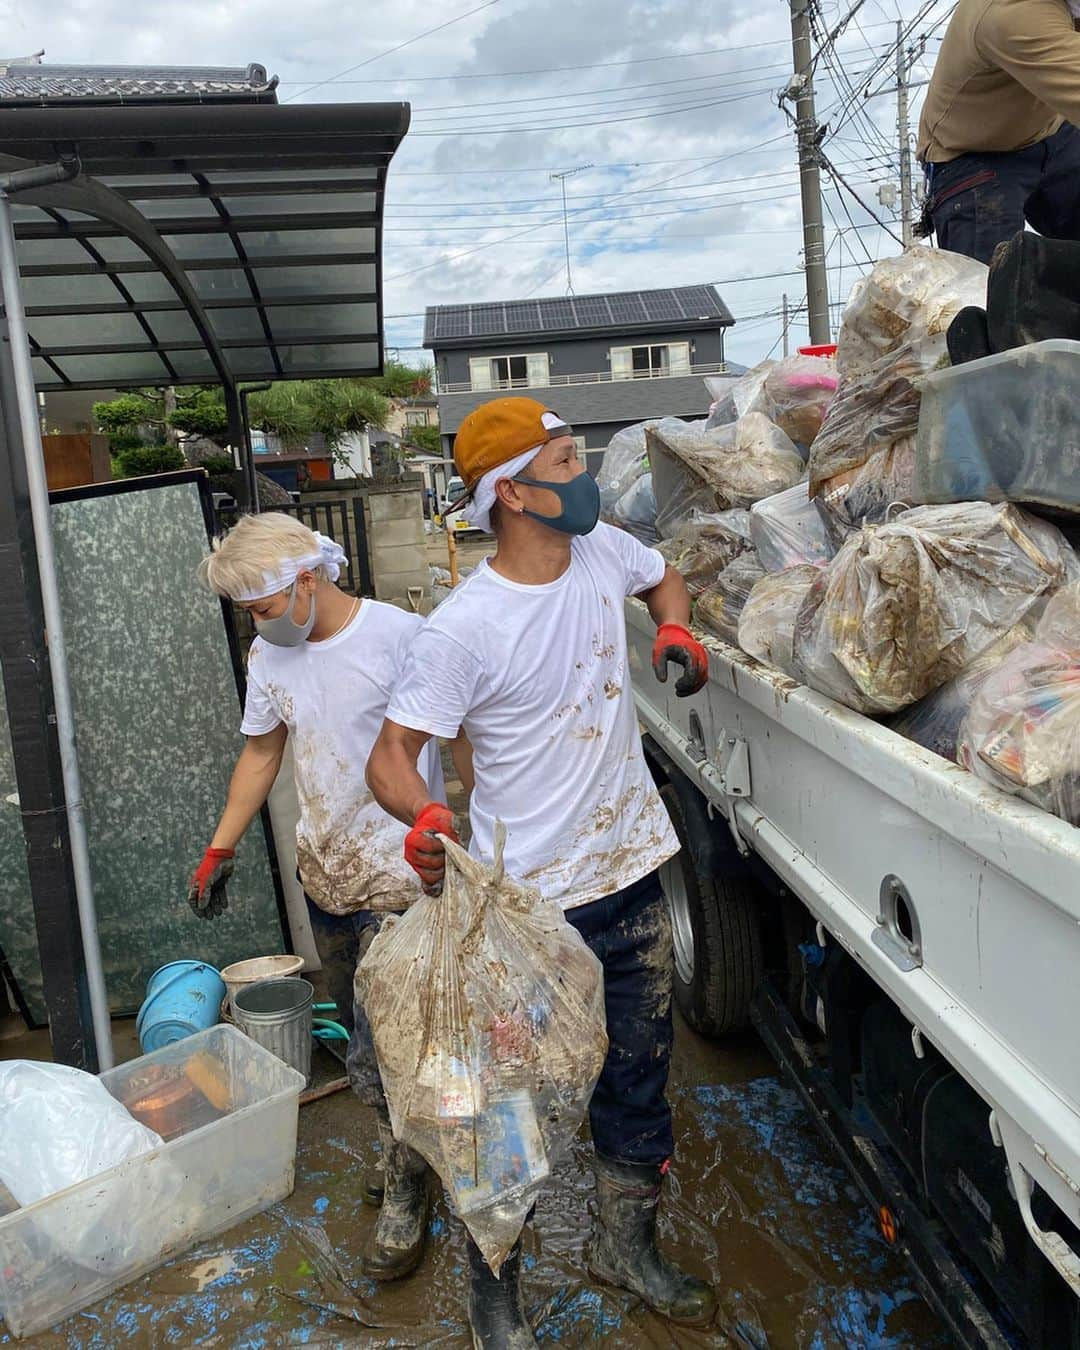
[330,556]
[478,510]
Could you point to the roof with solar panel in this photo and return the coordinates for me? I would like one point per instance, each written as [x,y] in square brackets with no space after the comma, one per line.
[687,308]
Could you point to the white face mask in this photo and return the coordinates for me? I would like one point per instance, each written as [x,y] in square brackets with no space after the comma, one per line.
[284,631]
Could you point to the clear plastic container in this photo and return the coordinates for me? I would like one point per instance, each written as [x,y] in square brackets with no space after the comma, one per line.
[1004,428]
[227,1110]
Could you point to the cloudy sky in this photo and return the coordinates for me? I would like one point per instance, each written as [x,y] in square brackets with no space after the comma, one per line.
[673,104]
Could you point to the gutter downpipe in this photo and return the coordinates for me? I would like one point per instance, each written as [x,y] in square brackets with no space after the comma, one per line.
[11,294]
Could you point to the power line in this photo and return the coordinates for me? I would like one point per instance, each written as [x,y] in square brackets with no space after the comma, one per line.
[391,50]
[540,70]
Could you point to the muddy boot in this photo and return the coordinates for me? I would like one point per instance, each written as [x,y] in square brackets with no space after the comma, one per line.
[397,1244]
[496,1317]
[623,1247]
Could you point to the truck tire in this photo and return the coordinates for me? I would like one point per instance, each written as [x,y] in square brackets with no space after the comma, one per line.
[716,931]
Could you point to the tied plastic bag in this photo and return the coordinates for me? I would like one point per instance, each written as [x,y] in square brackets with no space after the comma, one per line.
[934,722]
[1022,732]
[60,1126]
[635,511]
[795,393]
[728,467]
[705,545]
[787,529]
[870,494]
[906,606]
[893,334]
[487,1013]
[718,608]
[623,464]
[767,622]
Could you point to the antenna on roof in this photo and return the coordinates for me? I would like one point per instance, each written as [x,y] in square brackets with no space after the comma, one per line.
[561,178]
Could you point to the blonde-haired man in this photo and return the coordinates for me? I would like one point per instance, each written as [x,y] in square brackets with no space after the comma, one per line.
[321,670]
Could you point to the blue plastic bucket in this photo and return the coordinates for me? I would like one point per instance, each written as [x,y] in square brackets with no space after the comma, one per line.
[181,998]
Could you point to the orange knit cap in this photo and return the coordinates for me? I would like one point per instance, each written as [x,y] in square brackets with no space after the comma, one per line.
[498,432]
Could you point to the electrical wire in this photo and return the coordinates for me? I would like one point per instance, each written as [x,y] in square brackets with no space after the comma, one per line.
[349,70]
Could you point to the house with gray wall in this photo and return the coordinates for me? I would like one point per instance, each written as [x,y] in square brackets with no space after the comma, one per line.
[602,361]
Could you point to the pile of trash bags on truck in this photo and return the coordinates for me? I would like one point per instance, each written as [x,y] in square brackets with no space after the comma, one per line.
[825,519]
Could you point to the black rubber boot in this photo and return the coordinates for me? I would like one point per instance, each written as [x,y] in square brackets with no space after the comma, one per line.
[397,1243]
[623,1247]
[496,1317]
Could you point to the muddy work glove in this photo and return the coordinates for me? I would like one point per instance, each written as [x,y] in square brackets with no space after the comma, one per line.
[423,848]
[678,644]
[206,894]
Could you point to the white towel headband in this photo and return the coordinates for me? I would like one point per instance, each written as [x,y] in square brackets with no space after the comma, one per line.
[330,555]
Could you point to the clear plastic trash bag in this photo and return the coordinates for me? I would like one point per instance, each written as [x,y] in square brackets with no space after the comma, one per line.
[1022,732]
[767,622]
[635,511]
[60,1126]
[733,466]
[787,529]
[718,608]
[705,545]
[794,392]
[624,462]
[905,606]
[487,1012]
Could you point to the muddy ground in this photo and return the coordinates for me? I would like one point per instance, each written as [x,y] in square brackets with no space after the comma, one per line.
[755,1205]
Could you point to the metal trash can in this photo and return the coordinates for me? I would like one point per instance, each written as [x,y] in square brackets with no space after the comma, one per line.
[276,1014]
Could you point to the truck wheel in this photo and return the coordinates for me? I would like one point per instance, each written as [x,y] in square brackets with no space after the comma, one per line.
[715,923]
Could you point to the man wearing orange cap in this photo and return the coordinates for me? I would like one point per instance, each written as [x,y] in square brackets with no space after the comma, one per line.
[529,657]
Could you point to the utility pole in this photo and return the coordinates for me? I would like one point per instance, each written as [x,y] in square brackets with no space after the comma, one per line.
[561,178]
[786,322]
[902,71]
[801,89]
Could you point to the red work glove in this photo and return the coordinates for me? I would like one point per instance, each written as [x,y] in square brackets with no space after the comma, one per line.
[206,894]
[678,644]
[423,848]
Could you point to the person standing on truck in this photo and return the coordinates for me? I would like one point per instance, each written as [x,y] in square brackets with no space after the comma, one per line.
[529,657]
[998,134]
[321,670]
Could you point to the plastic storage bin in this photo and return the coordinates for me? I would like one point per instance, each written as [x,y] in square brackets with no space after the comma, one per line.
[1004,428]
[228,1111]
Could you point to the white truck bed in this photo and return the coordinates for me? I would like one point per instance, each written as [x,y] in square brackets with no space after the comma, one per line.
[836,805]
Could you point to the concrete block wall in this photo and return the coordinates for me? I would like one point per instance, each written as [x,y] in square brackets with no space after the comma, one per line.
[397,543]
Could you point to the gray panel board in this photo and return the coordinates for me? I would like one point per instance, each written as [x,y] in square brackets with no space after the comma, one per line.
[157,720]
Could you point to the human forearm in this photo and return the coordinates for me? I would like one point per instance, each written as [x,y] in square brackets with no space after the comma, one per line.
[462,755]
[392,775]
[669,600]
[252,779]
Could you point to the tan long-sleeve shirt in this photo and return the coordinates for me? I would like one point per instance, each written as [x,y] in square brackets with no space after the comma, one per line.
[1007,75]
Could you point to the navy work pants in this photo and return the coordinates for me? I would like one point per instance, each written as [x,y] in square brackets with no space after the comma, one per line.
[630,933]
[342,941]
[980,200]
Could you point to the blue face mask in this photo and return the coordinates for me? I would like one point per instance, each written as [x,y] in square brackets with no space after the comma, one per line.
[580,500]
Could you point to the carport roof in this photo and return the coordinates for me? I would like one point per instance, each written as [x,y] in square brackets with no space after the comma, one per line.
[202,243]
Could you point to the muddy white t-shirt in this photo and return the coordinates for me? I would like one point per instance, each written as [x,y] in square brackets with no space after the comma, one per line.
[332,696]
[537,676]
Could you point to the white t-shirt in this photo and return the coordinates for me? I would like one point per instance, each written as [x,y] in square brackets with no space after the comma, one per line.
[537,676]
[332,696]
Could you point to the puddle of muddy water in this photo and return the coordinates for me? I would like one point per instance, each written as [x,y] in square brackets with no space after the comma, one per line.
[755,1204]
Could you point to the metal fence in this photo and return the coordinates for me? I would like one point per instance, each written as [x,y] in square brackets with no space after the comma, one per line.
[342,521]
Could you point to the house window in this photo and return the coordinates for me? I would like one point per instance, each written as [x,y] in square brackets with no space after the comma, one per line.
[509,372]
[647,361]
[416,417]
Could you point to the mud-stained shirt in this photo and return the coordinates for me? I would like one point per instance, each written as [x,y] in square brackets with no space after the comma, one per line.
[332,696]
[538,677]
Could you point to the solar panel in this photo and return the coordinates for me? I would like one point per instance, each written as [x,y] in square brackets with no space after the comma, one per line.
[661,305]
[699,302]
[556,314]
[627,308]
[592,310]
[488,319]
[452,321]
[522,317]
